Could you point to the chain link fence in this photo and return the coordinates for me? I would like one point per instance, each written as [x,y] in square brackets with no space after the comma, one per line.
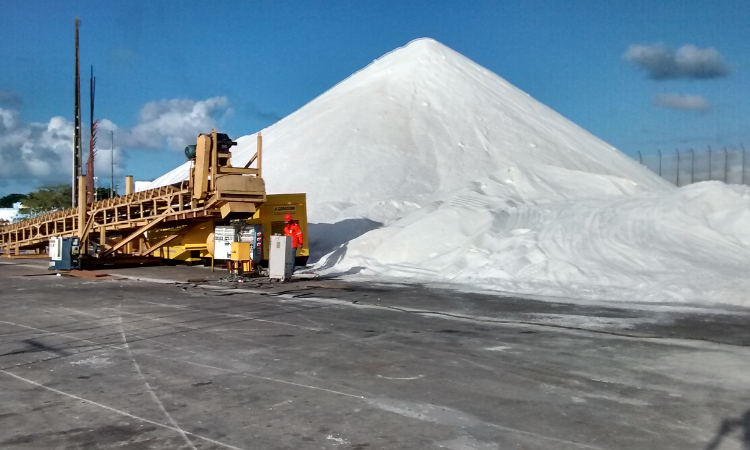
[682,167]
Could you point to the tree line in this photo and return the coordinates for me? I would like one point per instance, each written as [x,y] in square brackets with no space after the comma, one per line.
[46,199]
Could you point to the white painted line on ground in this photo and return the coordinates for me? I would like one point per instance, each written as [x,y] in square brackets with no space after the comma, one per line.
[35,266]
[136,335]
[245,374]
[231,315]
[126,414]
[62,334]
[151,391]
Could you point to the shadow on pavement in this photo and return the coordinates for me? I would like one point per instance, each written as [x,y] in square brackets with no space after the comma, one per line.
[728,426]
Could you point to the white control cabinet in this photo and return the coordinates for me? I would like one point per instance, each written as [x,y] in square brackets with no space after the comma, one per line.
[280,258]
[55,248]
[223,238]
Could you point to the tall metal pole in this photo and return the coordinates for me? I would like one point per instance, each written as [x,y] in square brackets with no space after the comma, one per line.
[112,161]
[678,167]
[73,176]
[90,188]
[77,127]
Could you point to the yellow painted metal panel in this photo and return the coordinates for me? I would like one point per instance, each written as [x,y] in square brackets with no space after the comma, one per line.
[202,164]
[182,248]
[240,251]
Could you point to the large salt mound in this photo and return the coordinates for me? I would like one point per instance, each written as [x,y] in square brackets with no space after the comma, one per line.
[420,121]
[545,234]
[475,182]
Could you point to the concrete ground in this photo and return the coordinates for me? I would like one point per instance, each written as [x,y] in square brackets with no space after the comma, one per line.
[145,363]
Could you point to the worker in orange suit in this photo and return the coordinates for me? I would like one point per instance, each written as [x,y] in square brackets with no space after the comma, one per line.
[292,229]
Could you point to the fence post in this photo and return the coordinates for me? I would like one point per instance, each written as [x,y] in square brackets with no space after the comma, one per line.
[692,166]
[640,158]
[709,163]
[659,150]
[726,165]
[678,167]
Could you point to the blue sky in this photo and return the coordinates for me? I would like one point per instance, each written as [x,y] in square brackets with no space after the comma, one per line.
[253,62]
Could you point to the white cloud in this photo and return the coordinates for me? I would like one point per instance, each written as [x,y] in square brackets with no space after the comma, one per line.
[688,61]
[171,123]
[33,154]
[34,150]
[682,102]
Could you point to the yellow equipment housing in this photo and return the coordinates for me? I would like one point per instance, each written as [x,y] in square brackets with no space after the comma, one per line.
[241,258]
[271,216]
[197,242]
[241,251]
[188,248]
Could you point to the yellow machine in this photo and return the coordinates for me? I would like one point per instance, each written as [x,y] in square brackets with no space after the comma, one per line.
[125,227]
[172,222]
[197,243]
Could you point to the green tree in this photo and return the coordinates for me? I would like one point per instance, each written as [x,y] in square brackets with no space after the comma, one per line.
[47,199]
[103,193]
[8,200]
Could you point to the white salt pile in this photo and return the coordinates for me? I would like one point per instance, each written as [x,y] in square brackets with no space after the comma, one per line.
[692,244]
[464,178]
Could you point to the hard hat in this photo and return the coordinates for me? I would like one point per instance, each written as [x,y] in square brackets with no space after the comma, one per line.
[288,218]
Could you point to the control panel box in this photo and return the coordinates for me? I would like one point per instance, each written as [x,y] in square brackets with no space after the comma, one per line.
[64,253]
[55,248]
[253,234]
[223,238]
[281,258]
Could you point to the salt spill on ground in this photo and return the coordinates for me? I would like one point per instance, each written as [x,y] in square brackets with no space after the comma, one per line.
[467,443]
[425,166]
[94,361]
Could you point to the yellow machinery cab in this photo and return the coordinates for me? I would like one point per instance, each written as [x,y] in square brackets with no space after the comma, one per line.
[271,216]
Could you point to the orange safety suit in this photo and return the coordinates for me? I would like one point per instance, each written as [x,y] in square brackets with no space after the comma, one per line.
[292,229]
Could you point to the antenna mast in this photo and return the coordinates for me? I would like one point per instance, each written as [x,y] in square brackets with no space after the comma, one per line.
[112,164]
[90,188]
[77,129]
